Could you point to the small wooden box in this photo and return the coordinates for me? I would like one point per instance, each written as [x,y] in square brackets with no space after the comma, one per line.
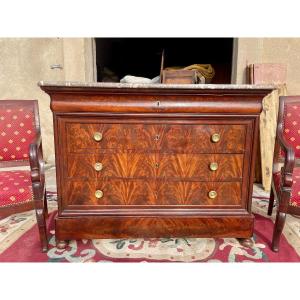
[179,76]
[176,76]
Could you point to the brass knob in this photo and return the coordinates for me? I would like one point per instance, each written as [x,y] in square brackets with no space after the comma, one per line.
[97,136]
[98,166]
[213,166]
[212,194]
[99,194]
[215,137]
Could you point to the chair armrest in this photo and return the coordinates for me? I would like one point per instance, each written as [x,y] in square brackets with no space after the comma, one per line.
[36,161]
[289,162]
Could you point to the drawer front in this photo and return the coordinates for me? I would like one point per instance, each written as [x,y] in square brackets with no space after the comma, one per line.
[179,138]
[201,167]
[150,193]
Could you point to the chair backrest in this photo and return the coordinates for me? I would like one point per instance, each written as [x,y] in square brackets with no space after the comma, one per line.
[19,126]
[289,123]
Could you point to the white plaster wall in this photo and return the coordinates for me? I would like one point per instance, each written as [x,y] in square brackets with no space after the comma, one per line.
[269,50]
[25,61]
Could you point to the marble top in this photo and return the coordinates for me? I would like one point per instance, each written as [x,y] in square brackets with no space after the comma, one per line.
[116,85]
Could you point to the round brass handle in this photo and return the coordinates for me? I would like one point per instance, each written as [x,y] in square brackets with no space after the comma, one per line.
[98,166]
[99,194]
[212,194]
[215,138]
[213,166]
[97,136]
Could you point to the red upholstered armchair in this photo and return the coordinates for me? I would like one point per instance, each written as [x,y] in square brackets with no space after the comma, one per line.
[21,145]
[286,177]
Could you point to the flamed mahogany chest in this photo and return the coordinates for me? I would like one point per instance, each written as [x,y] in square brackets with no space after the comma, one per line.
[154,160]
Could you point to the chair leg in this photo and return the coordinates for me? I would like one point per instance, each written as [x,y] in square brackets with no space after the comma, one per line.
[41,218]
[40,210]
[46,205]
[278,227]
[271,203]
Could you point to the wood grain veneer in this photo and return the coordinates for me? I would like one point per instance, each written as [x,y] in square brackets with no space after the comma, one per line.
[155,150]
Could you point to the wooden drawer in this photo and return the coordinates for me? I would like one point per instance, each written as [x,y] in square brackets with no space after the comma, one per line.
[179,138]
[197,167]
[150,193]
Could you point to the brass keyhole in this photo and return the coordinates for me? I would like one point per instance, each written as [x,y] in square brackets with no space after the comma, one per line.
[156,165]
[157,137]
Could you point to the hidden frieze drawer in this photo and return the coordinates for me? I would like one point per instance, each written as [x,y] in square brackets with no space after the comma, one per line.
[154,160]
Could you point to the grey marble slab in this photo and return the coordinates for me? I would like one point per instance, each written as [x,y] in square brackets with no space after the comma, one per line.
[151,85]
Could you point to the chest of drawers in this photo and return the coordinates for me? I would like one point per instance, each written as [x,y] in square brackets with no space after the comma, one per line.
[154,160]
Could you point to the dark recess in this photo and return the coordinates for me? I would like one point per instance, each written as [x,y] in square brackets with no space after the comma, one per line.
[142,56]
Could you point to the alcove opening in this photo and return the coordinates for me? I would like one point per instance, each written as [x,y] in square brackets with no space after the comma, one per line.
[117,57]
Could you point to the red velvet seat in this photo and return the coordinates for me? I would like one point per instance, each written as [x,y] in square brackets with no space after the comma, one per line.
[295,193]
[286,166]
[15,188]
[20,145]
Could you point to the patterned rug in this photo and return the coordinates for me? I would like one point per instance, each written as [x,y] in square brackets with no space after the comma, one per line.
[19,243]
